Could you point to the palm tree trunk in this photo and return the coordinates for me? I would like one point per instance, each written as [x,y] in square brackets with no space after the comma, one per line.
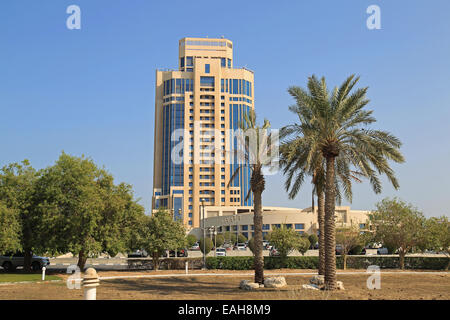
[321,221]
[257,222]
[330,236]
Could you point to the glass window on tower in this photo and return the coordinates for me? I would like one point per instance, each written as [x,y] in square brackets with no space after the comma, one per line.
[207,68]
[189,62]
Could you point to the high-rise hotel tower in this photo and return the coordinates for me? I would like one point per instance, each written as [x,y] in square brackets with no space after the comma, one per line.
[197,107]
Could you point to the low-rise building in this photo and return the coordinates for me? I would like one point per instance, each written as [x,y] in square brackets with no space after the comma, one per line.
[240,219]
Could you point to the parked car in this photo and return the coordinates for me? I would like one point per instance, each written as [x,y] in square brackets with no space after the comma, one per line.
[180,253]
[273,252]
[138,254]
[382,251]
[196,246]
[11,261]
[221,252]
[265,244]
[240,246]
[338,249]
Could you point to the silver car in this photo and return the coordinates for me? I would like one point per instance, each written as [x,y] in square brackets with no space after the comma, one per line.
[10,262]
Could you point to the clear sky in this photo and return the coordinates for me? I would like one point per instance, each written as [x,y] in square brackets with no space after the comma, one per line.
[91,91]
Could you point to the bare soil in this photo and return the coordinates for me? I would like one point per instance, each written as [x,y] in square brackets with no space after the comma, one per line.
[397,286]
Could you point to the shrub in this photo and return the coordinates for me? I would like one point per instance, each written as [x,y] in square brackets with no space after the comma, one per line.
[313,239]
[303,245]
[206,246]
[312,262]
[229,263]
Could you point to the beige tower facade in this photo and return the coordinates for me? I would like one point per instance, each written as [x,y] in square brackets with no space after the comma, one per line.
[197,107]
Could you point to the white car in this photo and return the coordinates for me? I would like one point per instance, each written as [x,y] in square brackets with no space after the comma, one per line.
[241,246]
[196,246]
[221,252]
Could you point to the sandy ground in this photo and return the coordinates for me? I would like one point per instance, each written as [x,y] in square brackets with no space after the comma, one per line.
[394,286]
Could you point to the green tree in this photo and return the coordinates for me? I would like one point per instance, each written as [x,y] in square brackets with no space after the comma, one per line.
[17,181]
[303,245]
[219,240]
[398,225]
[285,240]
[82,211]
[228,236]
[300,156]
[437,235]
[162,233]
[348,238]
[191,240]
[10,230]
[256,150]
[206,245]
[336,125]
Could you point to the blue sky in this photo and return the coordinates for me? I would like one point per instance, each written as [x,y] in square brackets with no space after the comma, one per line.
[91,91]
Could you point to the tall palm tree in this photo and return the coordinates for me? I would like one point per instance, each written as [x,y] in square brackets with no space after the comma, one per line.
[334,125]
[296,163]
[256,151]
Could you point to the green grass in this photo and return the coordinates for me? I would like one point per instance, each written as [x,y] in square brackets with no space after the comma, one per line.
[19,277]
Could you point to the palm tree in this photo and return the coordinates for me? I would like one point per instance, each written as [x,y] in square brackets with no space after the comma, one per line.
[297,163]
[334,125]
[255,150]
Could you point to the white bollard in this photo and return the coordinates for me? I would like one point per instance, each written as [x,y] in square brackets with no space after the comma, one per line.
[187,267]
[90,284]
[43,273]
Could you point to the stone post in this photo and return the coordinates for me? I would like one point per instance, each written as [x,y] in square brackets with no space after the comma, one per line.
[90,284]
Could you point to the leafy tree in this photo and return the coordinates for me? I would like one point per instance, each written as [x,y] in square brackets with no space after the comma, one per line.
[398,225]
[206,245]
[191,240]
[228,236]
[162,233]
[17,182]
[219,240]
[303,245]
[285,240]
[335,124]
[437,235]
[82,211]
[348,238]
[313,239]
[257,152]
[10,230]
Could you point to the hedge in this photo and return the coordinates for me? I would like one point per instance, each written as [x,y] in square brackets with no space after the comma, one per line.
[308,262]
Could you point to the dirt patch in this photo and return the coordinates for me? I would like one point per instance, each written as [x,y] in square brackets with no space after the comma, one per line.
[393,287]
